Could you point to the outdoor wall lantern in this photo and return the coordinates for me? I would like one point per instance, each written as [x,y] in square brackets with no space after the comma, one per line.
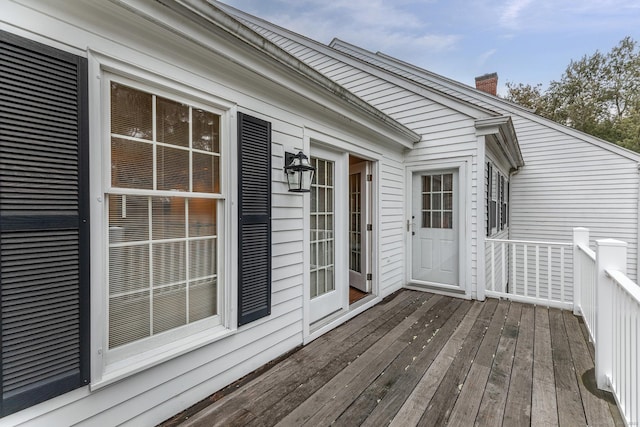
[299,172]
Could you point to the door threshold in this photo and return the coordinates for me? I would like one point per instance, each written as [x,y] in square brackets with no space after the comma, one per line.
[335,319]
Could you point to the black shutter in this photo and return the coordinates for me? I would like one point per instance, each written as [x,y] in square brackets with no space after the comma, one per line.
[44,248]
[254,218]
[489,197]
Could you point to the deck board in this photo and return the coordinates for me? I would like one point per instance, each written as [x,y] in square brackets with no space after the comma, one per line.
[422,359]
[518,407]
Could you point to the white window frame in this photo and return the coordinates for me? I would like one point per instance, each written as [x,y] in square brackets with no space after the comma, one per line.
[499,183]
[108,366]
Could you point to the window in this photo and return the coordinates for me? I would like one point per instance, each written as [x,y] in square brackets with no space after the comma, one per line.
[497,200]
[437,201]
[164,203]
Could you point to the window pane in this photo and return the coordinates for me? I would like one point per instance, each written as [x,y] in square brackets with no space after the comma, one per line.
[169,263]
[131,112]
[206,173]
[202,217]
[437,181]
[436,220]
[168,218]
[426,202]
[128,269]
[447,220]
[426,219]
[128,218]
[173,169]
[203,299]
[172,122]
[426,184]
[314,283]
[436,202]
[202,258]
[322,199]
[206,131]
[169,308]
[131,164]
[320,177]
[448,201]
[447,182]
[129,318]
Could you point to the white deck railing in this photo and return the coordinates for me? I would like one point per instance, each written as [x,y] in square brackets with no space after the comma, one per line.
[600,291]
[534,272]
[623,375]
[584,260]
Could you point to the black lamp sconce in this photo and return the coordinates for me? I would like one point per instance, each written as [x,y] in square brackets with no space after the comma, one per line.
[299,172]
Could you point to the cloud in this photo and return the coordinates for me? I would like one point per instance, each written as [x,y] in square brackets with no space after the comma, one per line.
[510,18]
[484,57]
[567,15]
[378,25]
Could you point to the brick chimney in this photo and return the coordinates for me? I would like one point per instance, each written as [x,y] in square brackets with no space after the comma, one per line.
[488,83]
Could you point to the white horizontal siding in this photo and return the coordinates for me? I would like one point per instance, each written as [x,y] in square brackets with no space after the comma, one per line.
[581,183]
[159,392]
[568,182]
[391,234]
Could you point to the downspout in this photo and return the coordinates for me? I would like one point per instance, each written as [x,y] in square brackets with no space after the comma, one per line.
[512,172]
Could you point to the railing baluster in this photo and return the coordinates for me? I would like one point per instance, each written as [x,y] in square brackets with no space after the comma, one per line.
[526,271]
[537,271]
[503,249]
[493,267]
[513,268]
[549,266]
[562,299]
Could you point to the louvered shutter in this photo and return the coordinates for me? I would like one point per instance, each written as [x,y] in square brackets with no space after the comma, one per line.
[44,246]
[488,211]
[254,215]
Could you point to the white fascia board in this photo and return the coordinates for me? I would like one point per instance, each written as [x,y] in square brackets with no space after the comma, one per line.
[461,106]
[497,102]
[502,128]
[210,17]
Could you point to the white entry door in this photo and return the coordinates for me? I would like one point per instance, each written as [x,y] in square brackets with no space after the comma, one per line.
[435,231]
[358,233]
[328,277]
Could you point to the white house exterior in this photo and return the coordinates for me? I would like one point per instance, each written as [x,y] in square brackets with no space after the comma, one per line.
[135,161]
[150,251]
[569,178]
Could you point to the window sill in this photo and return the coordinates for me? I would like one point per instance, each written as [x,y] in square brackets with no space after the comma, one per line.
[132,365]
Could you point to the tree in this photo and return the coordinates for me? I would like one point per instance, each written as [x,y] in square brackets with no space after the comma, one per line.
[597,94]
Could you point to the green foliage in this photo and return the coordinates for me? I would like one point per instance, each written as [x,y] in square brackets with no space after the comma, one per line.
[597,94]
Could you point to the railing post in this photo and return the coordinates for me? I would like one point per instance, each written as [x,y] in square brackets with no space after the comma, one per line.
[580,237]
[610,255]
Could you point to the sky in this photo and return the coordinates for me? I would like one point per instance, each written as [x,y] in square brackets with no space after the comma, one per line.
[524,41]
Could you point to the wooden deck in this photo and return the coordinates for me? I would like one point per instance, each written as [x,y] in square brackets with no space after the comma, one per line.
[428,360]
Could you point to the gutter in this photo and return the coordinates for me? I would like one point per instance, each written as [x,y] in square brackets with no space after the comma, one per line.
[217,17]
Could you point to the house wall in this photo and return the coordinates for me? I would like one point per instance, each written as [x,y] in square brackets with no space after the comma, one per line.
[568,182]
[446,134]
[569,179]
[105,30]
[500,166]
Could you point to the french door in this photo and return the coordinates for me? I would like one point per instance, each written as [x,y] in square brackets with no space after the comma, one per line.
[328,275]
[359,236]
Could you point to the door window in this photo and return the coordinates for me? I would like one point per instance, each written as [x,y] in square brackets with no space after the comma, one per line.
[355,222]
[322,228]
[437,201]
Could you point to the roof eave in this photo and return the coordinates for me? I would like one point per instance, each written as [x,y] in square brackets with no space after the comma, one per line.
[502,128]
[213,15]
